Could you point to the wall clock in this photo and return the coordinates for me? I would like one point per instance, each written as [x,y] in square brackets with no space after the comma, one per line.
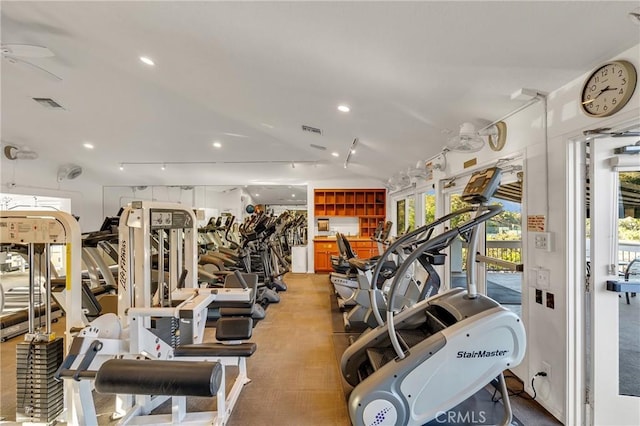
[608,89]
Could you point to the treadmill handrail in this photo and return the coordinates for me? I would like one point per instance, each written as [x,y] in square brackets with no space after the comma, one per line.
[446,237]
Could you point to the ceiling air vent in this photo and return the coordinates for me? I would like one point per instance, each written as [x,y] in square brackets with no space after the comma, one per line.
[311,129]
[48,103]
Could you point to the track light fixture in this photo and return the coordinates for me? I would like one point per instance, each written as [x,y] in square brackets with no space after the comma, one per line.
[352,150]
[164,164]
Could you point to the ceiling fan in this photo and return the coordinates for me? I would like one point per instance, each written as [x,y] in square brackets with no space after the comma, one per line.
[468,140]
[12,152]
[16,54]
[398,181]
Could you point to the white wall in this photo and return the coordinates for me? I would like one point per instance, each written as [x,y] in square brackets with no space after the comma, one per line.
[39,177]
[566,122]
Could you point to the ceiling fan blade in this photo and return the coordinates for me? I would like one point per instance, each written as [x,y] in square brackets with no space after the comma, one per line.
[27,51]
[35,67]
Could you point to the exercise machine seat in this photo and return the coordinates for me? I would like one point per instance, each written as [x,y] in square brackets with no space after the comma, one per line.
[151,377]
[234,328]
[362,264]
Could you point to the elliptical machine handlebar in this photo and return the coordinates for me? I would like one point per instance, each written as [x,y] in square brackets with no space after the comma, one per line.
[403,241]
[484,213]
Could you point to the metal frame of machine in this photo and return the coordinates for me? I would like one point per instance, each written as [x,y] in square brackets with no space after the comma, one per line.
[146,326]
[41,403]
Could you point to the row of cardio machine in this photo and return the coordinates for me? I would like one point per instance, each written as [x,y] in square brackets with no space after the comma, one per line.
[424,352]
[153,347]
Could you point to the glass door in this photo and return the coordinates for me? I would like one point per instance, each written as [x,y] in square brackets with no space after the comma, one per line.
[458,249]
[503,245]
[614,226]
[405,215]
[500,270]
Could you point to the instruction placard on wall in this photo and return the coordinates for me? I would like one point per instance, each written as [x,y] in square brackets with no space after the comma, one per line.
[536,223]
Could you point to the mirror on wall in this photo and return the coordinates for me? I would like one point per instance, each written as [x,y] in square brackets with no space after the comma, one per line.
[213,199]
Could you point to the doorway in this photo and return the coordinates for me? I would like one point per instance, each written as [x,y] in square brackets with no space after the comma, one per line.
[500,244]
[612,319]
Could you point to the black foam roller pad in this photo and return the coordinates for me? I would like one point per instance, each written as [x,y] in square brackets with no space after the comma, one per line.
[149,377]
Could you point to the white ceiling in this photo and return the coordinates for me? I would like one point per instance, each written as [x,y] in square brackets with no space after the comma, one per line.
[410,71]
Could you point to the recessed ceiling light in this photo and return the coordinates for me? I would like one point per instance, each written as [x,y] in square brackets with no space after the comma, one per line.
[343,108]
[217,144]
[353,151]
[88,145]
[293,195]
[121,166]
[335,154]
[236,135]
[163,167]
[146,60]
[257,195]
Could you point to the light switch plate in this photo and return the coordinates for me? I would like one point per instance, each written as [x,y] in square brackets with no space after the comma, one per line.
[543,279]
[543,241]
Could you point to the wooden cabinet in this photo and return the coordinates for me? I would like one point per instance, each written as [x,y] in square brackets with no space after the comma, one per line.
[368,205]
[322,252]
[323,249]
[364,249]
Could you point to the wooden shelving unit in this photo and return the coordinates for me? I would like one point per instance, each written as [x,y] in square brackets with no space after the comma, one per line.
[368,205]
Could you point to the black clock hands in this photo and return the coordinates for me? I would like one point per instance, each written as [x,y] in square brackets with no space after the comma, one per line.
[606,89]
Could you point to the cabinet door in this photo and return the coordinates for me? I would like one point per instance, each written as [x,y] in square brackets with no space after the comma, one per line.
[321,261]
[363,253]
[329,268]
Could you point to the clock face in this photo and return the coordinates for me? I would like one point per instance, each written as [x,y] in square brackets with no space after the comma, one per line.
[608,89]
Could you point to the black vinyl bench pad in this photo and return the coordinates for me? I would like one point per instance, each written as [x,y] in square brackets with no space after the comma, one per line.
[151,377]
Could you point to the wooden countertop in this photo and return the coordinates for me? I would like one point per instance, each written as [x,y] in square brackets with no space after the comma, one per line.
[333,238]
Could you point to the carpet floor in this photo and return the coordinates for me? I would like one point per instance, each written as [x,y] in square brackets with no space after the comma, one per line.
[295,371]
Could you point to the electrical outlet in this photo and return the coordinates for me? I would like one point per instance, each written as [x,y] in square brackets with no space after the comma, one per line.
[543,241]
[546,367]
[538,296]
[550,300]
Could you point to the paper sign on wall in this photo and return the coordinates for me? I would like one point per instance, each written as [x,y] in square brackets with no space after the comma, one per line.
[536,223]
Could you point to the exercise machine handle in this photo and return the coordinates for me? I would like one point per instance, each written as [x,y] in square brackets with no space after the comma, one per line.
[241,279]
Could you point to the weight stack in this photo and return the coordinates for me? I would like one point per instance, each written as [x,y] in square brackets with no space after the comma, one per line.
[40,397]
